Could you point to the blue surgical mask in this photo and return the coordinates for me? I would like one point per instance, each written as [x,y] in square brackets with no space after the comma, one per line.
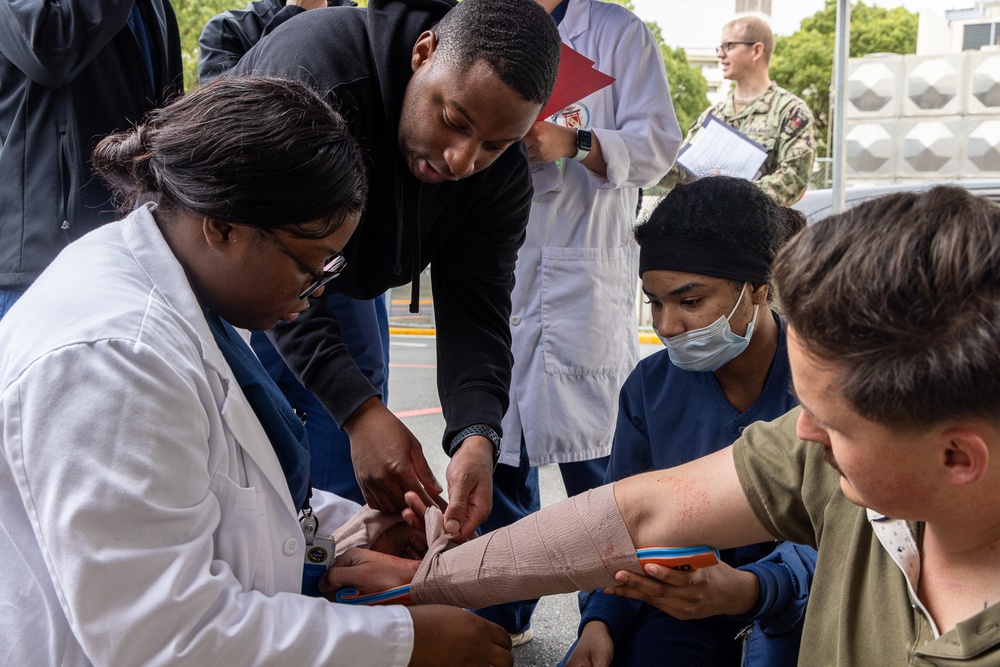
[712,347]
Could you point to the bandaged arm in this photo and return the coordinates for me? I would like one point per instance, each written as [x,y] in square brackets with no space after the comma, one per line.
[580,543]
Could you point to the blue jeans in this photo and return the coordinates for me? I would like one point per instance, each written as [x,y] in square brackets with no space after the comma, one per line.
[364,328]
[8,297]
[516,495]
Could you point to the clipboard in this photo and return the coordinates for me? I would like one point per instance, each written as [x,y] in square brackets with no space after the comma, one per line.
[721,150]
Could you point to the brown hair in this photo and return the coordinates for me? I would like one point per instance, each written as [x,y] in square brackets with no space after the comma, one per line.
[755,30]
[902,295]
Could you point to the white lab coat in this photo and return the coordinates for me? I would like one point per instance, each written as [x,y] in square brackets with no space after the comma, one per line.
[144,517]
[574,319]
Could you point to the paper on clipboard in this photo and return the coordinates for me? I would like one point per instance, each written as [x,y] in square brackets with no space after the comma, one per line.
[719,149]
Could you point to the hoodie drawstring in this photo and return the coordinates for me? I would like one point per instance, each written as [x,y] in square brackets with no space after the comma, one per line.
[415,275]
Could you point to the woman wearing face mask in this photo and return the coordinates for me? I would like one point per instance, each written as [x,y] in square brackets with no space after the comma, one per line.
[705,258]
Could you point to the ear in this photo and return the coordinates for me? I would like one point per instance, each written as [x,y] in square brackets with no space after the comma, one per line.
[218,234]
[965,455]
[423,49]
[758,295]
[758,52]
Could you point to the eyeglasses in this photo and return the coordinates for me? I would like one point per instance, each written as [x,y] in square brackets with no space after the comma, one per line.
[334,267]
[726,47]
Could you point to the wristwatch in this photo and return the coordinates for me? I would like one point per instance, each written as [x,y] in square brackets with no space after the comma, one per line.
[477,429]
[584,142]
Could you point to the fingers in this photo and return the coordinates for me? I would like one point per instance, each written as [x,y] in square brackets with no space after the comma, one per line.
[449,636]
[380,498]
[470,487]
[454,515]
[532,136]
[368,571]
[636,586]
[468,507]
[669,575]
[501,655]
[386,493]
[425,476]
[343,572]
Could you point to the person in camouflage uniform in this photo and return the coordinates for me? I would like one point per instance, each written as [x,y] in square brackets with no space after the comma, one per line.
[763,111]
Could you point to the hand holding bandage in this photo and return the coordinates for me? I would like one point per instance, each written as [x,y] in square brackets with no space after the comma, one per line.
[578,544]
[379,531]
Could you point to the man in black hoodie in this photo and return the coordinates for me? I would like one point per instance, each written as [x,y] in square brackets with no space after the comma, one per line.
[439,110]
[70,73]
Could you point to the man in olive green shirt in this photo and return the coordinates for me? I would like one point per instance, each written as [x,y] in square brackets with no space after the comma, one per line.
[763,111]
[890,467]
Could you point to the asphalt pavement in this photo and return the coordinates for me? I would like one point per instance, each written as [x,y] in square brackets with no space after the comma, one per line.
[413,397]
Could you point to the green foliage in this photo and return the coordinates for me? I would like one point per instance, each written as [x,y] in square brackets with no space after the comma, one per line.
[803,61]
[688,88]
[192,15]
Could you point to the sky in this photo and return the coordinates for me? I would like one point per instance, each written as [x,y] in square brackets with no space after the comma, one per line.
[698,24]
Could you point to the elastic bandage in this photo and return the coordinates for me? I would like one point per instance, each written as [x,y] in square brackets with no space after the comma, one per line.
[362,529]
[575,545]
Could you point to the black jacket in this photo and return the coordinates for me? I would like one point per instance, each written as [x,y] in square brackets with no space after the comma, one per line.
[469,231]
[70,73]
[228,36]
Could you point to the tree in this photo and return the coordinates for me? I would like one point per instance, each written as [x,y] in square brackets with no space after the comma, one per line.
[803,61]
[192,15]
[688,88]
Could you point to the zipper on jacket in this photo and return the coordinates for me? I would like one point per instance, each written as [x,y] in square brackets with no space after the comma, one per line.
[64,180]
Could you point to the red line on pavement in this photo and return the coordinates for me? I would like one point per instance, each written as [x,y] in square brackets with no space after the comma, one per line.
[417,413]
[412,365]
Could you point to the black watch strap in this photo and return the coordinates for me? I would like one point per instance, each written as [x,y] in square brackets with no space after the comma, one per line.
[476,429]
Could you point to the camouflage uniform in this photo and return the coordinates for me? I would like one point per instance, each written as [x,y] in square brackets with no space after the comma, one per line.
[781,123]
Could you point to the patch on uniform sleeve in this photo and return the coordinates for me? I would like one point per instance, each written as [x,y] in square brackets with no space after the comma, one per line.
[794,123]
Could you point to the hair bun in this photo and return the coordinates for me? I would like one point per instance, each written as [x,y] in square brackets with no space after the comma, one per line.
[122,160]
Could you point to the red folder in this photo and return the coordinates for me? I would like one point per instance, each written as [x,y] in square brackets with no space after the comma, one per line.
[576,79]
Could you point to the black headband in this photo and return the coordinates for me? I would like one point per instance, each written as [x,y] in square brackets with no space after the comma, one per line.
[703,258]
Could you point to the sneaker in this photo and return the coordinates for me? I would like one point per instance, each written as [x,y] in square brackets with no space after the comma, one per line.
[520,638]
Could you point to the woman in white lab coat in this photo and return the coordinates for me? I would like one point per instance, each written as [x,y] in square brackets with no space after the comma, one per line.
[150,488]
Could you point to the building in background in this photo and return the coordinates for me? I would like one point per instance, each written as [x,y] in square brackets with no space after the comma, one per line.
[971,29]
[934,115]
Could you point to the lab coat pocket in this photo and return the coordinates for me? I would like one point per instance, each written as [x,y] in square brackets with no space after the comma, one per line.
[236,538]
[587,298]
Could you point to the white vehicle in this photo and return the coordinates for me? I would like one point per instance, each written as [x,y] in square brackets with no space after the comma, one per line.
[817,204]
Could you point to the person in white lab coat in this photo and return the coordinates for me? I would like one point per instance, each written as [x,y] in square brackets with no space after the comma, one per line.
[573,321]
[150,487]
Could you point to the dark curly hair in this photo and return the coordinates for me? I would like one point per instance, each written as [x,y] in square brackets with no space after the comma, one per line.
[727,211]
[516,38]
